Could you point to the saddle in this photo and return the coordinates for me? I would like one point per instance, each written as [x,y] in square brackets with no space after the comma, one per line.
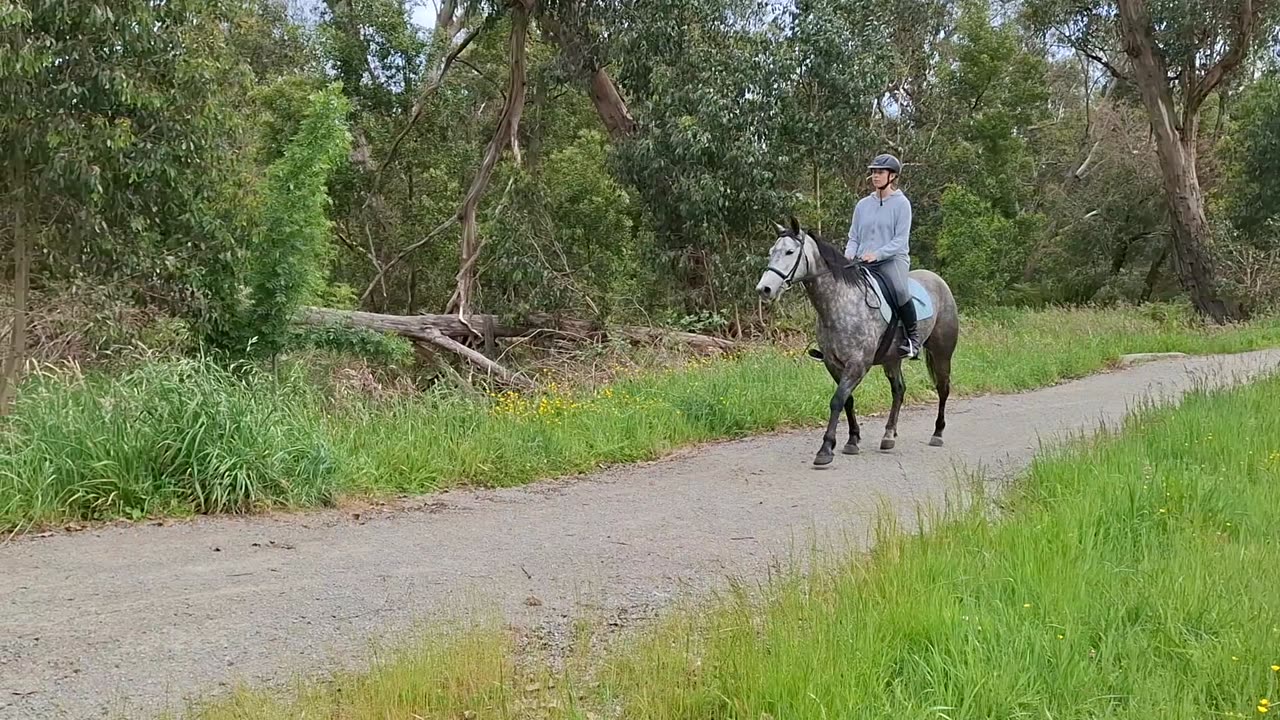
[889,304]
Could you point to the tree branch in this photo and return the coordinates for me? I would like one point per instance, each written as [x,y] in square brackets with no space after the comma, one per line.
[504,135]
[480,361]
[501,91]
[420,103]
[1229,61]
[405,253]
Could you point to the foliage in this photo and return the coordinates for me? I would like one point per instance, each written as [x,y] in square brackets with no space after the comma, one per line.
[183,436]
[373,346]
[125,117]
[1253,152]
[157,155]
[569,240]
[981,251]
[293,249]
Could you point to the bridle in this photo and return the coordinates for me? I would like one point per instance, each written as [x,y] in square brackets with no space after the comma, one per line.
[788,278]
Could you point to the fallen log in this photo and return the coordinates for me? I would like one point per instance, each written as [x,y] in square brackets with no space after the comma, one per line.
[417,327]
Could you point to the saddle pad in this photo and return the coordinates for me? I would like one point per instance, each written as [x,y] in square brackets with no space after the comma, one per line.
[924,303]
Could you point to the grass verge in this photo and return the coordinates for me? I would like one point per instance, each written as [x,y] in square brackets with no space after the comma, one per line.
[183,437]
[1130,577]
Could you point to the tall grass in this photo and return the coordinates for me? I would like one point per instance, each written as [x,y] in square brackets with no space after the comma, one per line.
[186,436]
[1132,577]
[174,436]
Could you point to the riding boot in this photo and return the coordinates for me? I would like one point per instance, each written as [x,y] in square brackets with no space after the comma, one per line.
[910,346]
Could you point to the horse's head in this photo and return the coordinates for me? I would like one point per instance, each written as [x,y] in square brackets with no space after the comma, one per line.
[793,259]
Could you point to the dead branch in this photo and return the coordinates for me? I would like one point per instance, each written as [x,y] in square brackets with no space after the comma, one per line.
[378,277]
[420,103]
[415,326]
[480,361]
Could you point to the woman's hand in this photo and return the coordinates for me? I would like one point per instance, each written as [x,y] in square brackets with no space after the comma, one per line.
[868,257]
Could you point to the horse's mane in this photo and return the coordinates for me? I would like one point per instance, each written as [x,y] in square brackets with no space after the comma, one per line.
[841,267]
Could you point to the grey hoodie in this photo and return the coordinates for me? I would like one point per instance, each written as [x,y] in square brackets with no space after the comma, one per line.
[881,227]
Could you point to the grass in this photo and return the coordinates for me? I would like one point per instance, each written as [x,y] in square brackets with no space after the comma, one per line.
[1135,578]
[183,437]
[171,437]
[1130,577]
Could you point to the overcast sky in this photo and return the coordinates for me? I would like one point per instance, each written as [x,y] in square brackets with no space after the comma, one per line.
[424,11]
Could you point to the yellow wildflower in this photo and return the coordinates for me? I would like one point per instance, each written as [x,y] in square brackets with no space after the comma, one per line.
[1275,668]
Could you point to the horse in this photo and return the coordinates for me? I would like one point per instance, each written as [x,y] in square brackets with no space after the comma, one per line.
[852,333]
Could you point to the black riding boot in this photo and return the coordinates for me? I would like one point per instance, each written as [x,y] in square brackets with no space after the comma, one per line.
[910,346]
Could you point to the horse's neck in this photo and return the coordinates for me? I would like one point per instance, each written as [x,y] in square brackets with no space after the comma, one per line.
[830,295]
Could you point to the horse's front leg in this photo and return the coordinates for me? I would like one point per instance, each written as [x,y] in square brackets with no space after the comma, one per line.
[844,389]
[855,434]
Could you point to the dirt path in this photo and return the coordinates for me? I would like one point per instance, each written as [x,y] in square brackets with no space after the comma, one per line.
[156,613]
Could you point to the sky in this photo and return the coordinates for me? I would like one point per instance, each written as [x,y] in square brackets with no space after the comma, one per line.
[423,15]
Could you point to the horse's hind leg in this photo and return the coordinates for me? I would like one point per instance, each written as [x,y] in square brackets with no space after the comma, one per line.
[893,371]
[939,364]
[855,434]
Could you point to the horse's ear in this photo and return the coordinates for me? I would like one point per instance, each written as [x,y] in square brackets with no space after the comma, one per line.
[781,229]
[795,225]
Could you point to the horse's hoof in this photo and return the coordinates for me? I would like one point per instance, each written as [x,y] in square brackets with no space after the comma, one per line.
[850,449]
[935,441]
[823,460]
[888,443]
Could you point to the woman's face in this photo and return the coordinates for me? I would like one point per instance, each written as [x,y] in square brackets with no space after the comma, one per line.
[879,178]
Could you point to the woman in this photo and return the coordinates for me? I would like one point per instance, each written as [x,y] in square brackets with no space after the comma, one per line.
[880,235]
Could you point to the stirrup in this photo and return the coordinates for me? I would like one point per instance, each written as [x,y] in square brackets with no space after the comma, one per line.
[910,350]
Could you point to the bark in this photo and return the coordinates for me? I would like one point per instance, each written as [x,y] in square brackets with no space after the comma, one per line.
[1153,274]
[508,125]
[612,108]
[16,359]
[610,105]
[415,326]
[1175,147]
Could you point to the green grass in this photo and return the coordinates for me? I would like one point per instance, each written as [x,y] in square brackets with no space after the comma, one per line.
[183,437]
[1134,576]
[172,437]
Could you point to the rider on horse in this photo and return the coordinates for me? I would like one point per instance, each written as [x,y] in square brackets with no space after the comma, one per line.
[880,236]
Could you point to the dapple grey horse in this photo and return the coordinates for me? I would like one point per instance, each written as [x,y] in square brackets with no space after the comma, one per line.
[852,334]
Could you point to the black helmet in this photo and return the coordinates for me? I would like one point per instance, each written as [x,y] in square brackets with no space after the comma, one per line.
[886,162]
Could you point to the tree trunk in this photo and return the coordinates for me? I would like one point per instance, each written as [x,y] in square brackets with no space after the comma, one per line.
[1153,274]
[1175,148]
[508,125]
[610,106]
[416,326]
[16,360]
[603,91]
